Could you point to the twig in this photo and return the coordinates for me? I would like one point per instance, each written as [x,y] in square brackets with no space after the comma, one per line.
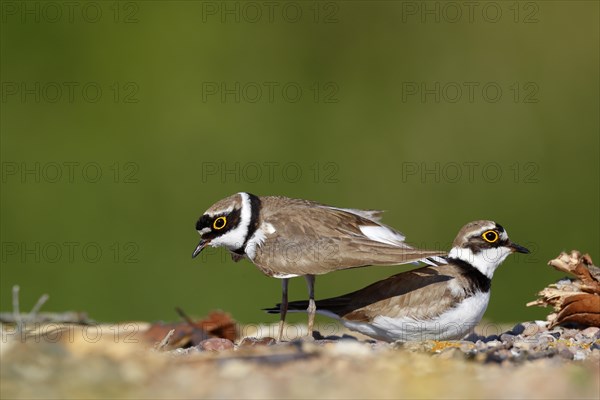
[41,301]
[163,343]
[16,310]
[68,317]
[186,318]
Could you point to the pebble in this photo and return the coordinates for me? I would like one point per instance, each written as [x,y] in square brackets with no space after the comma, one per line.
[534,328]
[473,337]
[543,342]
[569,333]
[491,338]
[518,329]
[494,343]
[530,341]
[556,335]
[507,338]
[480,345]
[525,341]
[591,332]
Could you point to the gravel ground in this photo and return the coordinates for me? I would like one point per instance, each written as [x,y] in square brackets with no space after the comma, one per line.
[526,341]
[526,361]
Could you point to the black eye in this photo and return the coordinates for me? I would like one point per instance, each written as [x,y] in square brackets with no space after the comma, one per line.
[490,236]
[220,223]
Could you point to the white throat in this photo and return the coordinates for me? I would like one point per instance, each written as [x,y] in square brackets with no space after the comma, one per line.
[486,261]
[235,238]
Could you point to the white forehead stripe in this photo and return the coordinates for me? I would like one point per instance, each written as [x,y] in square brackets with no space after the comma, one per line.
[219,212]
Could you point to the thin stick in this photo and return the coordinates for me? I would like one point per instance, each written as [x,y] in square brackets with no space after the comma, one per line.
[165,340]
[16,310]
[185,317]
[41,301]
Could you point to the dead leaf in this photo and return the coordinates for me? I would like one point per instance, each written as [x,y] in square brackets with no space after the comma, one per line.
[575,301]
[190,333]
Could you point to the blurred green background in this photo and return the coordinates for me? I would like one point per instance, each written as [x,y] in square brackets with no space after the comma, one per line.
[122,122]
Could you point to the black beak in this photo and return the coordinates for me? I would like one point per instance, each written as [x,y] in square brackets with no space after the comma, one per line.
[199,248]
[518,248]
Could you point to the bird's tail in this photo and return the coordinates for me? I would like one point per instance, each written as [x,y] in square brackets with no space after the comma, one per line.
[293,306]
[332,307]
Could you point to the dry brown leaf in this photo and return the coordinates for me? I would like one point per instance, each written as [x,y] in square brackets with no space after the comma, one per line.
[191,333]
[575,301]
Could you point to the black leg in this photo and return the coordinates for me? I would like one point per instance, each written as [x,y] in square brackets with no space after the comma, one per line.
[283,306]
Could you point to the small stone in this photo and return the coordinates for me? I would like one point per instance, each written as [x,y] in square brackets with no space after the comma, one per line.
[518,328]
[216,344]
[524,345]
[494,343]
[507,338]
[542,324]
[555,334]
[542,343]
[548,336]
[582,339]
[534,328]
[590,332]
[473,337]
[569,333]
[480,345]
[491,338]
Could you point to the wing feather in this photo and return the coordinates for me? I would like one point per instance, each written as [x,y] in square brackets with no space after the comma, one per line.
[321,239]
[420,294]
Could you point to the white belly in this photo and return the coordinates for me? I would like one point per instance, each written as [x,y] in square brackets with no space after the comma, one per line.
[455,323]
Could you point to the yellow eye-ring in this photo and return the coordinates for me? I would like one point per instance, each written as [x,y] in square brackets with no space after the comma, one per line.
[220,223]
[490,236]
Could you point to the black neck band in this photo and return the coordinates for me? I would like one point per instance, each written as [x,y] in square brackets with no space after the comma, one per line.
[480,281]
[254,214]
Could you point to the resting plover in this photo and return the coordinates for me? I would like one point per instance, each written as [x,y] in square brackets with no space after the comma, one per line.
[442,302]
